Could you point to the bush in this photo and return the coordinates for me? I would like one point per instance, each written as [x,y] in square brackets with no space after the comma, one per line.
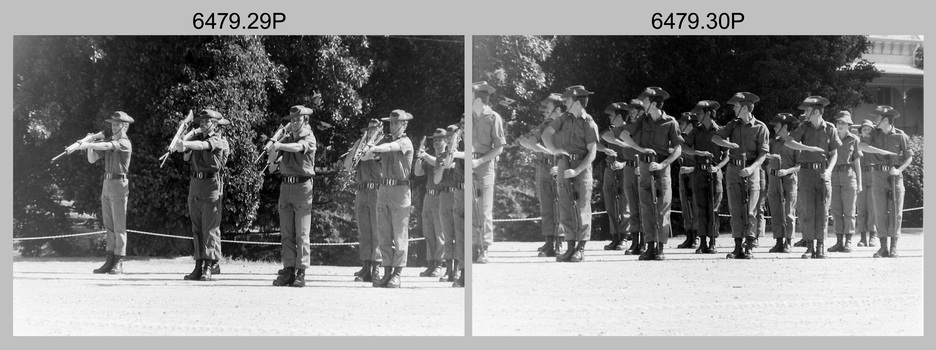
[913,184]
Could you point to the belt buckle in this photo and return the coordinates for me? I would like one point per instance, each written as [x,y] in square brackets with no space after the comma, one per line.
[291,179]
[199,175]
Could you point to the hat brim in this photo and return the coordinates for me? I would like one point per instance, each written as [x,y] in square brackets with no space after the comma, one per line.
[119,120]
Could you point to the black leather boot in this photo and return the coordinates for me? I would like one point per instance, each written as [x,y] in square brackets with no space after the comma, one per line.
[635,245]
[366,275]
[689,242]
[382,283]
[550,250]
[864,240]
[649,252]
[394,281]
[820,249]
[711,246]
[871,239]
[737,249]
[846,247]
[615,242]
[810,250]
[374,271]
[703,245]
[207,267]
[839,244]
[448,271]
[432,270]
[747,251]
[108,264]
[299,280]
[777,248]
[483,255]
[460,282]
[882,251]
[579,254]
[286,278]
[893,248]
[196,273]
[117,267]
[567,256]
[545,245]
[800,243]
[787,245]
[658,253]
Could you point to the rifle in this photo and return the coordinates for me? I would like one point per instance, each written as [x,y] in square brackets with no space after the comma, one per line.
[277,136]
[182,126]
[71,148]
[713,213]
[655,200]
[574,196]
[556,211]
[354,155]
[422,148]
[448,155]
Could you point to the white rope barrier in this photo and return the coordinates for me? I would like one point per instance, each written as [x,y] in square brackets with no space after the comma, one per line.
[323,244]
[671,211]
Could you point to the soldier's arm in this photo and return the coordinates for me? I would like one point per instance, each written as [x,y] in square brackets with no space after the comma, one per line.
[418,171]
[609,137]
[856,165]
[548,140]
[864,147]
[833,156]
[796,145]
[625,137]
[677,151]
[589,157]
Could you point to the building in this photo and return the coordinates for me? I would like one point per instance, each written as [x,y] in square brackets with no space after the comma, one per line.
[901,82]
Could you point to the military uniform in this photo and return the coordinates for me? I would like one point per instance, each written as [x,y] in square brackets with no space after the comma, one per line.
[686,194]
[573,134]
[205,195]
[782,190]
[751,137]
[660,136]
[487,134]
[706,186]
[367,181]
[844,188]
[631,188]
[612,186]
[814,189]
[458,210]
[864,203]
[296,170]
[888,190]
[448,186]
[432,215]
[546,191]
[115,190]
[394,204]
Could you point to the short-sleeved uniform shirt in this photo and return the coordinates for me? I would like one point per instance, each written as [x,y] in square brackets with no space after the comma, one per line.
[448,175]
[848,151]
[895,141]
[573,134]
[429,170]
[488,132]
[627,153]
[659,135]
[396,165]
[368,171]
[617,149]
[700,139]
[212,159]
[868,158]
[299,163]
[751,138]
[537,133]
[117,159]
[685,159]
[788,156]
[823,136]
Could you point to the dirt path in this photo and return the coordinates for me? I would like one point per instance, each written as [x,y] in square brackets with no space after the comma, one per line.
[774,294]
[63,297]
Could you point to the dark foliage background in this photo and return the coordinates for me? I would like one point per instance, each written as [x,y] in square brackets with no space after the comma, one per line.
[64,86]
[782,70]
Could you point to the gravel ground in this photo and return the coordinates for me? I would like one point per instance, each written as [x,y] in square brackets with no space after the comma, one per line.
[690,294]
[63,297]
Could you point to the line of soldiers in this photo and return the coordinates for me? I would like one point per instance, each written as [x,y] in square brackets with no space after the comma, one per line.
[809,168]
[382,204]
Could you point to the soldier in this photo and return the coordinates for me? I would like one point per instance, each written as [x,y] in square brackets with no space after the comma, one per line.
[894,155]
[367,179]
[488,143]
[782,166]
[294,158]
[864,203]
[393,198]
[612,183]
[654,134]
[629,169]
[450,183]
[747,150]
[686,166]
[573,136]
[846,180]
[546,171]
[207,154]
[431,215]
[819,142]
[115,189]
[456,185]
[707,177]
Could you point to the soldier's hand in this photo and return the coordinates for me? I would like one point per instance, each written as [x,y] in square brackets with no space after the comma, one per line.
[560,152]
[704,153]
[177,146]
[420,153]
[610,152]
[686,170]
[745,172]
[617,166]
[732,145]
[781,173]
[889,153]
[554,170]
[569,173]
[637,171]
[894,171]
[648,151]
[713,169]
[654,166]
[773,156]
[475,163]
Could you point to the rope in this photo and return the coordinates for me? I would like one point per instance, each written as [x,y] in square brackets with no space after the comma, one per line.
[671,211]
[323,244]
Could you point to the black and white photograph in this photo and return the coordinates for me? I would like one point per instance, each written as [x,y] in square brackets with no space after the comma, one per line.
[734,185]
[254,185]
